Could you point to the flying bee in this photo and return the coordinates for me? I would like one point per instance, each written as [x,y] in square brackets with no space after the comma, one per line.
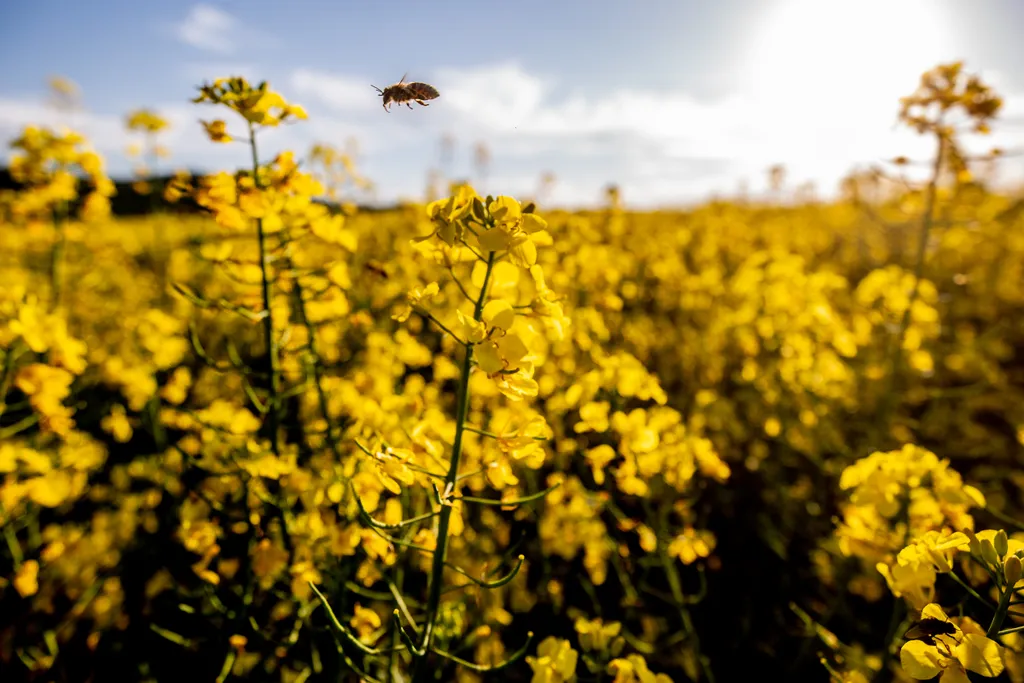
[406,93]
[926,630]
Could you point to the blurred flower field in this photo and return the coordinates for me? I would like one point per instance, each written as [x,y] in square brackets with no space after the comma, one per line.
[480,439]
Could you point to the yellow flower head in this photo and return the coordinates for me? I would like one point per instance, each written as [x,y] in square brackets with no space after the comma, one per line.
[952,655]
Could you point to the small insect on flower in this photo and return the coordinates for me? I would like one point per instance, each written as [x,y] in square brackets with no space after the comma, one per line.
[377,268]
[405,93]
[926,630]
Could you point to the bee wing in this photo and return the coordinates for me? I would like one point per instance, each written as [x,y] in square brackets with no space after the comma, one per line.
[915,632]
[403,78]
[927,628]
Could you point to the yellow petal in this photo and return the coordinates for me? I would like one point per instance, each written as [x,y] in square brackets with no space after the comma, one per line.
[488,358]
[920,660]
[516,387]
[473,331]
[980,655]
[955,540]
[954,674]
[493,240]
[499,314]
[933,611]
[522,252]
[505,209]
[533,223]
[975,495]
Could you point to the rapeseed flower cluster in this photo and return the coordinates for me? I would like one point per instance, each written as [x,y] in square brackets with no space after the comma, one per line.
[476,434]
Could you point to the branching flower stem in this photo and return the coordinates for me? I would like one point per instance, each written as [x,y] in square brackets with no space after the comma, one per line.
[444,519]
[268,322]
[927,221]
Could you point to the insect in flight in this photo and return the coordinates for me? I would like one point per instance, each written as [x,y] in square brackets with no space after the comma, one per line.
[406,93]
[926,630]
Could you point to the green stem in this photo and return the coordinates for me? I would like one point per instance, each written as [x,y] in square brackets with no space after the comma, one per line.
[229,663]
[21,425]
[895,619]
[268,321]
[430,316]
[1004,518]
[12,539]
[153,412]
[1000,615]
[7,376]
[314,350]
[927,221]
[1008,631]
[970,591]
[680,600]
[57,255]
[437,569]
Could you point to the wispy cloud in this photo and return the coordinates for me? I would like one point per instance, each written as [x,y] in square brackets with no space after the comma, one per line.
[661,147]
[208,28]
[343,93]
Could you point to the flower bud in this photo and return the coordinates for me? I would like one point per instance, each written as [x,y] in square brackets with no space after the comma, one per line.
[974,543]
[1012,570]
[988,553]
[1001,543]
[479,212]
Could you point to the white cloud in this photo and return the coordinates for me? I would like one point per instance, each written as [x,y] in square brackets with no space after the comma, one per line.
[208,28]
[342,93]
[661,146]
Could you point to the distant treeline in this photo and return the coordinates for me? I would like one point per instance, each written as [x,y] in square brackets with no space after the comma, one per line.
[128,202]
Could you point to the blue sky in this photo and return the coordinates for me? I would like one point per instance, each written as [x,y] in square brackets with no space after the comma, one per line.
[671,100]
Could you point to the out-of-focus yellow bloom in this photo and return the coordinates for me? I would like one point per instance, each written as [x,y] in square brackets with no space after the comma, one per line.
[633,669]
[217,130]
[555,661]
[146,120]
[26,581]
[117,424]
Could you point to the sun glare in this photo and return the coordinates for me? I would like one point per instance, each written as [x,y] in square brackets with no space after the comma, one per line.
[854,54]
